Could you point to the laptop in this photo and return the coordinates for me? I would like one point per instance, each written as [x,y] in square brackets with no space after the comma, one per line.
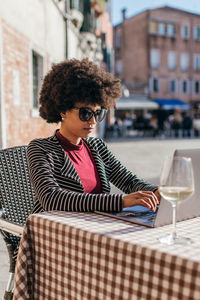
[188,209]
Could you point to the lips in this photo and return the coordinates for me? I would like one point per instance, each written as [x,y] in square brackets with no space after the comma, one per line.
[88,129]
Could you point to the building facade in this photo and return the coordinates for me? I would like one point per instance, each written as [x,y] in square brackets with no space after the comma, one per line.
[89,31]
[90,34]
[157,52]
[34,35]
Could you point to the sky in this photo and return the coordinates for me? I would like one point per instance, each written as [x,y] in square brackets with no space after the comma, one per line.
[137,6]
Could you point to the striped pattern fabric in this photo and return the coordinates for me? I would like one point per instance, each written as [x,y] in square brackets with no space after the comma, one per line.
[58,186]
[16,194]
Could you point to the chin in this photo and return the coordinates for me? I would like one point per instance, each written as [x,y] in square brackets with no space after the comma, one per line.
[88,134]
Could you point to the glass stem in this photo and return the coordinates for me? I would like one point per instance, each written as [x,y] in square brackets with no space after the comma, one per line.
[174,221]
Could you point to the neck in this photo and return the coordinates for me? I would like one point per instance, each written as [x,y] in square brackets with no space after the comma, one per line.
[72,139]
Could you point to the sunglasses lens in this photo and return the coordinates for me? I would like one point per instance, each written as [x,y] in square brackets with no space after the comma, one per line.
[100,114]
[85,114]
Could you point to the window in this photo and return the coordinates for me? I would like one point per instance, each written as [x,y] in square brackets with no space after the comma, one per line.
[196,87]
[161,29]
[173,86]
[118,66]
[155,58]
[118,39]
[196,32]
[184,62]
[185,32]
[37,73]
[76,4]
[197,62]
[171,30]
[185,86]
[154,85]
[172,60]
[153,27]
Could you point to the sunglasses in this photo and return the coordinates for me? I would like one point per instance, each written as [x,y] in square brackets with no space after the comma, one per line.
[86,113]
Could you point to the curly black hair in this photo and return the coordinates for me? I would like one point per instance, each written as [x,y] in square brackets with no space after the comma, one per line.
[73,81]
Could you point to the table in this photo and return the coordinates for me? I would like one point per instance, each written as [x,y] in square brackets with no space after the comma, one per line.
[69,255]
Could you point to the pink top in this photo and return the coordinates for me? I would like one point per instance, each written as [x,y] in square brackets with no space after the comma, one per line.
[84,163]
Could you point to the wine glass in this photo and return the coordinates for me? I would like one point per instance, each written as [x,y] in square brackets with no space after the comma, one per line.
[176,184]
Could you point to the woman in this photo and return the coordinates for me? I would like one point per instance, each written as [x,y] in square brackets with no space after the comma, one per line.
[71,171]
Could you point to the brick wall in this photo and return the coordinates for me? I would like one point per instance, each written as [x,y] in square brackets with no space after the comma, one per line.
[179,45]
[20,126]
[135,55]
[136,46]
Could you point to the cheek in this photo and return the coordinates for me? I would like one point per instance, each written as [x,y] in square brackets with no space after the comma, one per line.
[72,120]
[76,124]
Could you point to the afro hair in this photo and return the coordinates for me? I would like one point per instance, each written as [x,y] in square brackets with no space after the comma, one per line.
[76,81]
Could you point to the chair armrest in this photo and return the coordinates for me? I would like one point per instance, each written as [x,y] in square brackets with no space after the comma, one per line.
[11,227]
[1,212]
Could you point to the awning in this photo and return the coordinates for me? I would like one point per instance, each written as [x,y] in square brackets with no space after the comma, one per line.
[168,104]
[134,103]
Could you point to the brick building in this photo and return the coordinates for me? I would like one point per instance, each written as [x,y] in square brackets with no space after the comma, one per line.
[35,34]
[32,35]
[157,53]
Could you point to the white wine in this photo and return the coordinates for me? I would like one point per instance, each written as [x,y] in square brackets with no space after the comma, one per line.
[175,193]
[176,185]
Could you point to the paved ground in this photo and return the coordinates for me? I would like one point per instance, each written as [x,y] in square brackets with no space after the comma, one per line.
[143,157]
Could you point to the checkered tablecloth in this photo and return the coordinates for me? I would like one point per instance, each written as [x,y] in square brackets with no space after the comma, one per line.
[65,255]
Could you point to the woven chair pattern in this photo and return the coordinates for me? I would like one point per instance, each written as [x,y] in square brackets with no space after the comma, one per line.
[16,191]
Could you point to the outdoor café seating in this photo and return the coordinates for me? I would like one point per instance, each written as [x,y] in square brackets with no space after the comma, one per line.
[85,255]
[16,201]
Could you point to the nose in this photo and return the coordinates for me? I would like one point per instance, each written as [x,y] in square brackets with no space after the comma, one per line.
[92,120]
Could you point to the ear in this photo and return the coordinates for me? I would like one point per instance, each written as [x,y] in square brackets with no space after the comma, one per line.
[62,115]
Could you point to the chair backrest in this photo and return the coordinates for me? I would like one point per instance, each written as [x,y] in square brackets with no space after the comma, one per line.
[16,191]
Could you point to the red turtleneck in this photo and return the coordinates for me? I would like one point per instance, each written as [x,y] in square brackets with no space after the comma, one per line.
[83,162]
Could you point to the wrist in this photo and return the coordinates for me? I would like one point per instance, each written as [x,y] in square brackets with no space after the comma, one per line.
[126,201]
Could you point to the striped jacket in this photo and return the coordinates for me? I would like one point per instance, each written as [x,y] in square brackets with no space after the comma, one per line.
[58,186]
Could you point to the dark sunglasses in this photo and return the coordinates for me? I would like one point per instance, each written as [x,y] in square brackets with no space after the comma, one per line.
[86,113]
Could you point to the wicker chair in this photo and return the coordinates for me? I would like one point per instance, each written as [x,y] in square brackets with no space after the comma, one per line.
[16,202]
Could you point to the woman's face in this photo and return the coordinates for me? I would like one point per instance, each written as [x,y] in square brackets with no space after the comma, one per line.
[73,128]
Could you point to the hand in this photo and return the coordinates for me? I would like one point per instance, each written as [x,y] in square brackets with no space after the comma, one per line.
[158,195]
[145,198]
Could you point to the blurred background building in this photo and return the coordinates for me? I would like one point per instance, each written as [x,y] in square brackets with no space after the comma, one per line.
[157,54]
[34,35]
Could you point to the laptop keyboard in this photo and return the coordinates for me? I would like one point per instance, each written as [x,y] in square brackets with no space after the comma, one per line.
[141,213]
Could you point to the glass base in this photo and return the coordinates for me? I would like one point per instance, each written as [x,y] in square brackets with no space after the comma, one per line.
[171,239]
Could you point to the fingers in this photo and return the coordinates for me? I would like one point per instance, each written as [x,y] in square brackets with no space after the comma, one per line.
[158,195]
[148,199]
[149,194]
[145,198]
[148,203]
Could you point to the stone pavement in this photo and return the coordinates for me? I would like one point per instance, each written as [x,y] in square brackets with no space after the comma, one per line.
[143,157]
